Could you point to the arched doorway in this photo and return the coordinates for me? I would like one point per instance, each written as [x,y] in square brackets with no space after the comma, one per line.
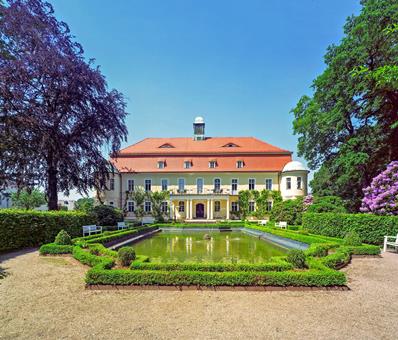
[200,210]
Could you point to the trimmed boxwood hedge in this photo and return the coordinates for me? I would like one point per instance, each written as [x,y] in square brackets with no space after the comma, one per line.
[214,267]
[113,235]
[295,235]
[321,270]
[218,225]
[371,228]
[52,249]
[177,278]
[29,228]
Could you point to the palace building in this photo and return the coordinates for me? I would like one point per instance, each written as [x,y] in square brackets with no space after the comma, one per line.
[203,175]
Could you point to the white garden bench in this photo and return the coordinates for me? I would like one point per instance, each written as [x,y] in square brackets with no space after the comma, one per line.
[121,225]
[282,225]
[392,243]
[262,222]
[91,229]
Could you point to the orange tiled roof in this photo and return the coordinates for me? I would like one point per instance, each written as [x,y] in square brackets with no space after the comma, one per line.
[226,151]
[210,145]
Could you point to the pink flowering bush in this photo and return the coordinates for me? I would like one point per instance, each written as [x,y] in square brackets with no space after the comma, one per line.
[381,197]
[308,200]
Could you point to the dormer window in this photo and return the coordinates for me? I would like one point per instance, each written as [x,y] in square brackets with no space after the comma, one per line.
[230,145]
[240,164]
[187,164]
[212,164]
[161,164]
[166,146]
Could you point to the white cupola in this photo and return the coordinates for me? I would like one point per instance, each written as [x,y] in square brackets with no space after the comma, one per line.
[199,128]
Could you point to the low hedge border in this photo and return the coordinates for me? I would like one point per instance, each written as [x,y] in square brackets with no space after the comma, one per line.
[278,272]
[296,235]
[218,225]
[312,278]
[214,267]
[108,237]
[53,249]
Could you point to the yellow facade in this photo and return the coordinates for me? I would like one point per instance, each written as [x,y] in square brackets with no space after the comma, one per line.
[200,201]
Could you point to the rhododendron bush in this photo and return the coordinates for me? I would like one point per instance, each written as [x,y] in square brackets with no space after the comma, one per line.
[381,197]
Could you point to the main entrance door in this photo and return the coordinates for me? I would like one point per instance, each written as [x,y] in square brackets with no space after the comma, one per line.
[200,210]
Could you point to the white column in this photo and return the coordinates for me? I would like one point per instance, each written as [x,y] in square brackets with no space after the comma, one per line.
[187,210]
[211,208]
[208,210]
[228,208]
[190,210]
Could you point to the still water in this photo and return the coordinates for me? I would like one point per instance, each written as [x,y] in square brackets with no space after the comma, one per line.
[191,246]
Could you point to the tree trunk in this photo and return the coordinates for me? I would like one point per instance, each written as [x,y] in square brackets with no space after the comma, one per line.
[52,183]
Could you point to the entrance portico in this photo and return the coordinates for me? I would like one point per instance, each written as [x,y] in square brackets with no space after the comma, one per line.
[200,206]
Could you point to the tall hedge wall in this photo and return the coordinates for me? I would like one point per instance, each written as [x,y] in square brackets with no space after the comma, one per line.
[371,228]
[28,228]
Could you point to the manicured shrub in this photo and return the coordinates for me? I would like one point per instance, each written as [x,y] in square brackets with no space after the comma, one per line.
[311,278]
[370,228]
[26,228]
[63,238]
[297,258]
[53,249]
[214,267]
[126,255]
[296,235]
[352,239]
[106,215]
[290,211]
[85,257]
[327,204]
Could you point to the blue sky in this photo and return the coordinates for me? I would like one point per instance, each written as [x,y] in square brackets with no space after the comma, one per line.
[242,65]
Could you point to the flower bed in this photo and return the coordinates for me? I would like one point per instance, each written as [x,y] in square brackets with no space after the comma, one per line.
[322,258]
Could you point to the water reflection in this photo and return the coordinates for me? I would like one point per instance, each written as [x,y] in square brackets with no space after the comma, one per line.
[231,247]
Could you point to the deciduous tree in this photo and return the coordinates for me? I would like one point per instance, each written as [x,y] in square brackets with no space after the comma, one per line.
[56,112]
[348,128]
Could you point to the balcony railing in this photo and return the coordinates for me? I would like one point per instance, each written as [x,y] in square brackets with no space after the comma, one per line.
[202,192]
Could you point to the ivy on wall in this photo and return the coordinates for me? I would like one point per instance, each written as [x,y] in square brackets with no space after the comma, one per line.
[260,198]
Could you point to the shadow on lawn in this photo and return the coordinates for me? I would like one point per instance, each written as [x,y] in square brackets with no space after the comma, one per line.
[3,273]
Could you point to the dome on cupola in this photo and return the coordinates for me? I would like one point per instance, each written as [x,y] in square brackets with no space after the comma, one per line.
[294,166]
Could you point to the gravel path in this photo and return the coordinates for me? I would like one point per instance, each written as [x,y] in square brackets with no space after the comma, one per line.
[44,298]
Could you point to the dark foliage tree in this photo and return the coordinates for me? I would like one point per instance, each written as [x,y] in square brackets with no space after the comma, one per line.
[56,112]
[349,128]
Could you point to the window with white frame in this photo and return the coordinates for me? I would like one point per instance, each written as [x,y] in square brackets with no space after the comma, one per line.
[217,206]
[148,206]
[112,184]
[130,185]
[234,206]
[212,164]
[161,164]
[181,206]
[187,164]
[181,185]
[268,184]
[148,185]
[199,185]
[251,206]
[288,183]
[252,183]
[240,164]
[299,183]
[130,206]
[217,185]
[268,207]
[234,184]
[164,207]
[165,184]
